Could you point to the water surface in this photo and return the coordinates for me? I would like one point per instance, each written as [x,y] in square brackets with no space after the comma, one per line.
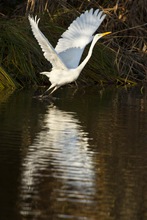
[81,157]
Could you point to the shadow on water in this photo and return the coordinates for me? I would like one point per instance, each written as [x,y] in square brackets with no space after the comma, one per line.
[81,157]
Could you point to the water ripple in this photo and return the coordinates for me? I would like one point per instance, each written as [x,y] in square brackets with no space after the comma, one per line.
[58,156]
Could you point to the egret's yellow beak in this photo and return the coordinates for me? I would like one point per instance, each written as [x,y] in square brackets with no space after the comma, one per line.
[103,34]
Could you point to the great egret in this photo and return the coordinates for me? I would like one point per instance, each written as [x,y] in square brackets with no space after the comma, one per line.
[65,58]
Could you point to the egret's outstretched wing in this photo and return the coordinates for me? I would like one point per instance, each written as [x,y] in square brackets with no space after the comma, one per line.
[73,41]
[49,52]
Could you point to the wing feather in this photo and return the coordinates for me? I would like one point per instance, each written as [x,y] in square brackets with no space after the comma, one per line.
[71,45]
[49,52]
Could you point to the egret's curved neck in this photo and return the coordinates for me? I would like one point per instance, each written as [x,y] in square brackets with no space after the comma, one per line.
[81,66]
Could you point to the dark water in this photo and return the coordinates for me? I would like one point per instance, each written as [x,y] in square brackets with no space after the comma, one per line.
[82,157]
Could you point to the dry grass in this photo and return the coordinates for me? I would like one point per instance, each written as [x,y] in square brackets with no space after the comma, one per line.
[128,22]
[20,56]
[124,54]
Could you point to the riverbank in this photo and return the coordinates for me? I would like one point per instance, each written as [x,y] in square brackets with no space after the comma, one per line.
[117,59]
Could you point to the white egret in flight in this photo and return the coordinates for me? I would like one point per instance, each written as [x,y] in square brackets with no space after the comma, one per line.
[65,58]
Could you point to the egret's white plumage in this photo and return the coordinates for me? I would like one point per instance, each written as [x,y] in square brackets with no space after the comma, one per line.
[66,56]
[80,33]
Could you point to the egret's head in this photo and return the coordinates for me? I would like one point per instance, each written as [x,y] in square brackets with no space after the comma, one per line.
[98,36]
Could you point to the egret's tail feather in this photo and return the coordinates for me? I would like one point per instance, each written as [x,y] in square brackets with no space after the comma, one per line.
[46,73]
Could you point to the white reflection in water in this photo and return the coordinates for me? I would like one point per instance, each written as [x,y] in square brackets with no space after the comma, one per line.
[60,152]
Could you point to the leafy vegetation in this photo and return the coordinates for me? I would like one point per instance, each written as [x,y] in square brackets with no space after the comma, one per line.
[119,59]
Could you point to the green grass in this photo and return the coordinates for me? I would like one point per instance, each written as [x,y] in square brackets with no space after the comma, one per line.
[6,80]
[21,57]
[120,59]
